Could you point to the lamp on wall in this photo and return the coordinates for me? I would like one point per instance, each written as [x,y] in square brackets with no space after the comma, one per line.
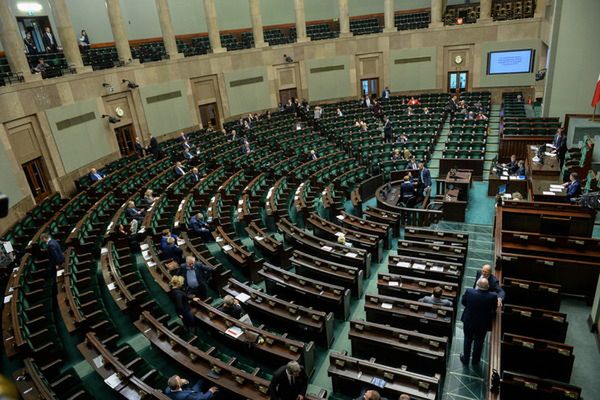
[109,88]
[111,119]
[131,85]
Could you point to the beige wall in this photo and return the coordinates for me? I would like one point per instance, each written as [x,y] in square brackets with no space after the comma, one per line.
[163,118]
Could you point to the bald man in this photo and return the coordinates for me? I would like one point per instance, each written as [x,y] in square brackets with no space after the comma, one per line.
[486,272]
[480,310]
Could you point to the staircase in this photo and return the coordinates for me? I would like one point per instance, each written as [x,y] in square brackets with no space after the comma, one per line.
[434,163]
[468,382]
[492,147]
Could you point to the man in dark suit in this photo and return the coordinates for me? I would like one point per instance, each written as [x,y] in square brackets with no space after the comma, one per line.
[49,40]
[370,395]
[480,310]
[388,130]
[55,253]
[179,169]
[196,275]
[560,145]
[486,272]
[195,176]
[573,186]
[289,382]
[139,149]
[386,93]
[407,190]
[412,163]
[201,227]
[171,251]
[176,391]
[424,176]
[512,166]
[182,137]
[95,176]
[132,212]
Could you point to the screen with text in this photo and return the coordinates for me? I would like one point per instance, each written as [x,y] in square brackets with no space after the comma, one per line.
[510,62]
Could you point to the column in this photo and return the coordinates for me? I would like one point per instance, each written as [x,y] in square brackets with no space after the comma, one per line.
[300,22]
[485,10]
[66,33]
[540,9]
[257,26]
[389,17]
[118,30]
[12,43]
[344,19]
[166,27]
[213,29]
[436,13]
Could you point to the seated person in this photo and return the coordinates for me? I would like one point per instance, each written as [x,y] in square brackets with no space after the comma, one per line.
[414,102]
[187,155]
[520,168]
[396,155]
[134,213]
[512,165]
[573,186]
[166,234]
[407,189]
[402,139]
[481,117]
[95,176]
[196,276]
[412,163]
[313,155]
[342,240]
[232,307]
[425,111]
[176,391]
[41,66]
[370,395]
[172,252]
[201,227]
[148,199]
[436,298]
[406,154]
[195,176]
[179,168]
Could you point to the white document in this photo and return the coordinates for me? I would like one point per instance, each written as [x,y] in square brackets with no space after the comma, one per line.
[548,193]
[113,381]
[234,331]
[243,297]
[556,186]
[419,266]
[326,248]
[111,286]
[392,283]
[403,264]
[104,250]
[7,298]
[8,247]
[556,190]
[146,255]
[387,306]
[143,247]
[353,255]
[227,247]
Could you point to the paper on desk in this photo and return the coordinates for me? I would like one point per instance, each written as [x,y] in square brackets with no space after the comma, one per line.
[556,190]
[180,242]
[340,217]
[7,298]
[151,264]
[113,381]
[146,255]
[258,238]
[548,193]
[387,306]
[234,331]
[353,255]
[549,154]
[227,247]
[8,247]
[418,266]
[504,178]
[555,186]
[326,248]
[111,286]
[338,234]
[105,250]
[98,361]
[143,246]
[403,264]
[437,268]
[243,297]
[392,283]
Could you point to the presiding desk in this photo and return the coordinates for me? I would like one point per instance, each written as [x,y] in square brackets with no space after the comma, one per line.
[548,167]
[514,184]
[547,189]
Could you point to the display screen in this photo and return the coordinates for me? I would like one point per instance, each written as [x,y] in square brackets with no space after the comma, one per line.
[510,62]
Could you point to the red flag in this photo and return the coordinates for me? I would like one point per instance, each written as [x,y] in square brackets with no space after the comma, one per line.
[596,98]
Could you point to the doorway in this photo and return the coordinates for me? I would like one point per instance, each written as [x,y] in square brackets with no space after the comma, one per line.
[209,115]
[370,87]
[126,139]
[36,26]
[287,94]
[458,81]
[35,172]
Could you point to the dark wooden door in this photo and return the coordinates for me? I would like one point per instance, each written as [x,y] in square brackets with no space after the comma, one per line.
[286,94]
[35,172]
[209,115]
[126,139]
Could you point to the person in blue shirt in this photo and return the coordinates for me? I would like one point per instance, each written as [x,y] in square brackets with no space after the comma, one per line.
[201,227]
[166,234]
[196,275]
[573,186]
[176,391]
[95,176]
[494,284]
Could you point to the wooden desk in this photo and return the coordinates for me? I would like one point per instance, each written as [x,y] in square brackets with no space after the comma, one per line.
[462,181]
[549,167]
[513,184]
[540,189]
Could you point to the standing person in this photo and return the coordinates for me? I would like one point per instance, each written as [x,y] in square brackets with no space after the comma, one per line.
[49,41]
[480,310]
[139,149]
[289,382]
[30,45]
[388,130]
[494,284]
[194,274]
[386,93]
[84,40]
[154,148]
[55,253]
[560,145]
[181,302]
[424,176]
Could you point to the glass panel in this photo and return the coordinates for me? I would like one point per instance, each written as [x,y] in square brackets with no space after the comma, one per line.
[453,80]
[463,80]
